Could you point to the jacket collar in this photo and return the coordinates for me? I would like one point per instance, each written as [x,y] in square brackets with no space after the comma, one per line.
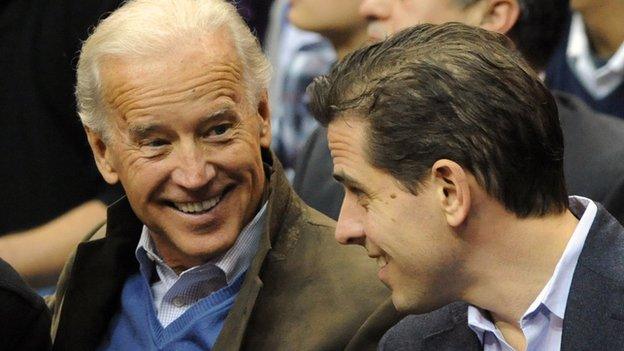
[279,209]
[594,313]
[97,276]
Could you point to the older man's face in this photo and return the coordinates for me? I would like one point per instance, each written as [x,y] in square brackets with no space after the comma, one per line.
[186,146]
[386,17]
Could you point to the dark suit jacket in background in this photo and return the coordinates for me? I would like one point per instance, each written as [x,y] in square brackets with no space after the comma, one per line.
[594,315]
[313,181]
[593,161]
[24,317]
[303,291]
[593,154]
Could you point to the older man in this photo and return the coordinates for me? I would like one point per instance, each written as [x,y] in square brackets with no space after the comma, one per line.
[211,249]
[593,147]
[451,154]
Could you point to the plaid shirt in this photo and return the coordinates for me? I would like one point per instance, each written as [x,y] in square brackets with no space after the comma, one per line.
[173,294]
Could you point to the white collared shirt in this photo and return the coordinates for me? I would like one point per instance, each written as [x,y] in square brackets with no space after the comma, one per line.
[174,294]
[598,81]
[543,321]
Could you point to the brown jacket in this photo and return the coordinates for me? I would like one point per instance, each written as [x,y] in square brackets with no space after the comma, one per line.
[303,291]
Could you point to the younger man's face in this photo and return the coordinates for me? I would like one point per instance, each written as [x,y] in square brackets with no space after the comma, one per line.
[407,234]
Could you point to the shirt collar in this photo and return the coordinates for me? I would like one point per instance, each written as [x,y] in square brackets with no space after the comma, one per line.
[579,49]
[232,263]
[554,295]
[578,44]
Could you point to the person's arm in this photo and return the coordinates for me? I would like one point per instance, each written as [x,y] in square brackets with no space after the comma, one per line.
[38,254]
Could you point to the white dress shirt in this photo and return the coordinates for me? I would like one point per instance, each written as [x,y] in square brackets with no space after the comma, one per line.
[173,294]
[543,321]
[598,81]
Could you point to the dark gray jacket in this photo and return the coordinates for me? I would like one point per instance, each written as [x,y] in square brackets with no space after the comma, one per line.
[594,316]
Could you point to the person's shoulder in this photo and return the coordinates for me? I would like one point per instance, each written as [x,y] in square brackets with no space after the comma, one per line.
[577,116]
[412,330]
[12,284]
[317,220]
[24,317]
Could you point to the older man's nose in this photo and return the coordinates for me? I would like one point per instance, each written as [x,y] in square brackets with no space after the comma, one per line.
[192,170]
[349,229]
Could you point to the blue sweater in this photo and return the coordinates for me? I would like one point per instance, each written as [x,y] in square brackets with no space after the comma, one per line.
[136,326]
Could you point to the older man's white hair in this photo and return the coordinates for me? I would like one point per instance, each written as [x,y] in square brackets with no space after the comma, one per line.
[147,28]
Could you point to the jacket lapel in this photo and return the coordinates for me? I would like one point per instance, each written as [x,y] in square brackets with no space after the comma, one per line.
[100,269]
[235,325]
[594,317]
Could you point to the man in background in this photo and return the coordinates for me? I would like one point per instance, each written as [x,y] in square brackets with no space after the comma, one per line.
[346,30]
[52,194]
[590,61]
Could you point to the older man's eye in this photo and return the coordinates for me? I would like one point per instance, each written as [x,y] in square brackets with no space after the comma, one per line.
[220,129]
[156,143]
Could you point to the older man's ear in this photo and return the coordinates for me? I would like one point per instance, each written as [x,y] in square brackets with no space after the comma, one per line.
[103,157]
[264,112]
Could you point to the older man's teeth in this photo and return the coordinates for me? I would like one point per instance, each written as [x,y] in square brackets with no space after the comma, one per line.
[194,207]
[381,261]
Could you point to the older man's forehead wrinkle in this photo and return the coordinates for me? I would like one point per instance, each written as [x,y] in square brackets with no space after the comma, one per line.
[219,80]
[145,105]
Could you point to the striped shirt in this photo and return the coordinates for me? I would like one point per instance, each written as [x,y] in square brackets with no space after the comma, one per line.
[173,294]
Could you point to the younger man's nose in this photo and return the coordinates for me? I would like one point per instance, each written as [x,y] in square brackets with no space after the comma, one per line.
[349,229]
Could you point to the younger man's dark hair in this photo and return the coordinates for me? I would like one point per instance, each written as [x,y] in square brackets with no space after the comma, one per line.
[453,92]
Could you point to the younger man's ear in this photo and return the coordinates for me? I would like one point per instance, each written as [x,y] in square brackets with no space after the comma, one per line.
[500,15]
[452,190]
[102,155]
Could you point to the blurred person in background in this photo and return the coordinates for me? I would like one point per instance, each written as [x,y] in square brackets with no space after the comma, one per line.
[297,57]
[593,142]
[52,194]
[590,62]
[346,31]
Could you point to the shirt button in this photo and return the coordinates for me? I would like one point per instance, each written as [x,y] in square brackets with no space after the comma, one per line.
[178,301]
